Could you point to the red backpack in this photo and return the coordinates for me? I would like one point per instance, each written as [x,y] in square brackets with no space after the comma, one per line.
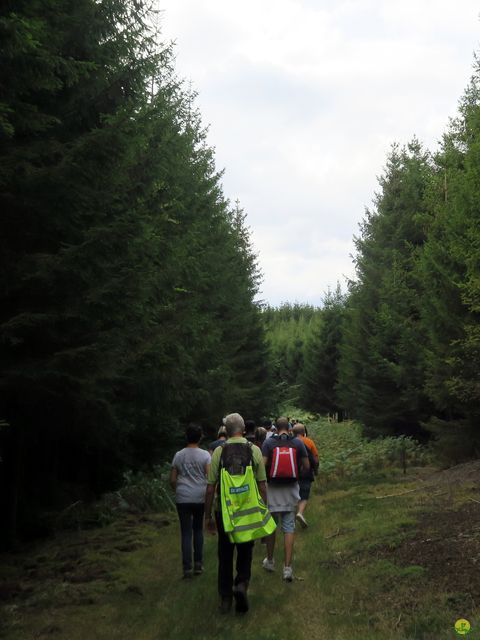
[283,461]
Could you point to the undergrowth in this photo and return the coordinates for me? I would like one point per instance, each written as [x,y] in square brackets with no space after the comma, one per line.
[345,453]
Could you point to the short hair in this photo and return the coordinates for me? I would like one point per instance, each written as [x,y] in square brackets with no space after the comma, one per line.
[193,433]
[282,424]
[267,423]
[222,431]
[299,429]
[260,434]
[250,426]
[234,424]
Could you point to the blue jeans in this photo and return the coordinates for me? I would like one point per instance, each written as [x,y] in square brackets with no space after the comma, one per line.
[190,515]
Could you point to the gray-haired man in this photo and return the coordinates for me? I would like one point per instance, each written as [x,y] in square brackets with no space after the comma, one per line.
[227,586]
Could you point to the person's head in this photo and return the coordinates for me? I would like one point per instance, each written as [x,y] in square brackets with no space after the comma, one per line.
[222,432]
[193,433]
[298,429]
[249,427]
[234,424]
[282,424]
[267,424]
[260,435]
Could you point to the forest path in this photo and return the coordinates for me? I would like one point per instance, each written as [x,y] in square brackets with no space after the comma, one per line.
[369,566]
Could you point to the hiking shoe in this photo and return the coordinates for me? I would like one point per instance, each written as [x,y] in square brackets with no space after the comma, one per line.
[225,605]
[188,574]
[198,568]
[268,565]
[288,574]
[302,520]
[240,595]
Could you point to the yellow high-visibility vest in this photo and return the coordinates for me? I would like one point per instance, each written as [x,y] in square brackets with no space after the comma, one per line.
[245,516]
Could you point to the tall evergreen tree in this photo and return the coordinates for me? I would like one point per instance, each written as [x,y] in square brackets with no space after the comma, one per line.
[450,271]
[322,353]
[288,328]
[127,294]
[381,376]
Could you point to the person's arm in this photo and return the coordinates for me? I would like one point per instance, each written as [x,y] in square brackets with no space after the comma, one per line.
[305,465]
[304,461]
[265,453]
[209,520]
[260,472]
[173,478]
[262,488]
[212,481]
[314,452]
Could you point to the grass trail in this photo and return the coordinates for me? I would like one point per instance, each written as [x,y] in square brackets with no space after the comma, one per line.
[354,580]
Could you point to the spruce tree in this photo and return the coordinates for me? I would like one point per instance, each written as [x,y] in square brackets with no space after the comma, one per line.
[322,352]
[450,275]
[381,375]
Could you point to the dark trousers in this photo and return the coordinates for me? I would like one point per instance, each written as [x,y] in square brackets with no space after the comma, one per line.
[191,528]
[225,561]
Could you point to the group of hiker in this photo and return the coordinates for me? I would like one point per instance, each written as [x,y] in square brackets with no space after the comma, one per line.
[251,481]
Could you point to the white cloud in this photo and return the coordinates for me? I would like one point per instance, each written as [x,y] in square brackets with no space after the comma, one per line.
[304,98]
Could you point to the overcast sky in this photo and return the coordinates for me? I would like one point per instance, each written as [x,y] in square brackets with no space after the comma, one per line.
[304,99]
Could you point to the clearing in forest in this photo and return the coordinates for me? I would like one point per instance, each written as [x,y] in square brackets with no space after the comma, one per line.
[386,555]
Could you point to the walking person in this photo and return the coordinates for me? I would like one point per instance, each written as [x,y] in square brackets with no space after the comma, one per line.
[260,436]
[237,451]
[269,426]
[305,482]
[250,427]
[286,460]
[220,441]
[188,478]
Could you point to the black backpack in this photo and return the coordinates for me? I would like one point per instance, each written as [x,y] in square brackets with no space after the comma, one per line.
[236,457]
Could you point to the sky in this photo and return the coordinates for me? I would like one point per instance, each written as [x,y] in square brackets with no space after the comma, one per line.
[303,99]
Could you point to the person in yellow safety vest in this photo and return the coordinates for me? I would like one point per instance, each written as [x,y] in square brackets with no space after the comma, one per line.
[228,587]
[245,515]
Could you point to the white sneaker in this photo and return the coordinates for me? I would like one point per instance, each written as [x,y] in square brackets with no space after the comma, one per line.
[268,565]
[302,520]
[288,574]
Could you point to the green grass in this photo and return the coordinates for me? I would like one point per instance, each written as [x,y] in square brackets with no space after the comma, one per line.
[344,589]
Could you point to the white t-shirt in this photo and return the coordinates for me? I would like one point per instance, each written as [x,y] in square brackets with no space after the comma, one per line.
[191,465]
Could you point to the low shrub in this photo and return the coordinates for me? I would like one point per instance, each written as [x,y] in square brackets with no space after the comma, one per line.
[345,453]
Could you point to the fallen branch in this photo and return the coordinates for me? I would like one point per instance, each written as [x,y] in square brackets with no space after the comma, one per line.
[394,495]
[69,508]
[473,500]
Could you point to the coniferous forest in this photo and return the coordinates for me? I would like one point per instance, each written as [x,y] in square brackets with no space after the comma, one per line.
[129,285]
[400,350]
[128,281]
